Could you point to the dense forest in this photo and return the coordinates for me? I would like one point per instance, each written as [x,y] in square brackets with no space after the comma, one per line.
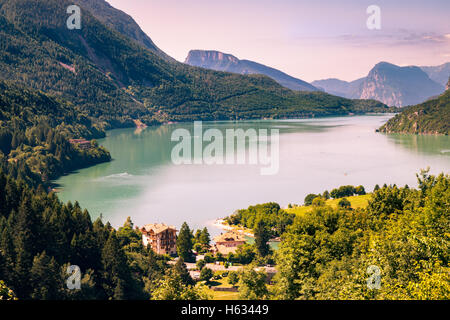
[40,237]
[35,129]
[430,117]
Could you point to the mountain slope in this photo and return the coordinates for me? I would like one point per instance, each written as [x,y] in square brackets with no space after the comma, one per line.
[121,22]
[114,80]
[219,61]
[339,87]
[388,83]
[35,129]
[431,117]
[439,74]
[399,86]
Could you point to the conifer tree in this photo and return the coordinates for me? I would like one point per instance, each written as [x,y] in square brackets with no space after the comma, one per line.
[116,273]
[181,269]
[261,238]
[44,276]
[205,238]
[184,243]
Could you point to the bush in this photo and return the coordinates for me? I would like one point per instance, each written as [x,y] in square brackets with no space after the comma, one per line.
[309,199]
[344,203]
[343,191]
[233,278]
[206,274]
[209,258]
[201,264]
[359,190]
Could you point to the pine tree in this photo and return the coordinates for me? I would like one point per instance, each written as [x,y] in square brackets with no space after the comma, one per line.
[181,269]
[261,238]
[25,235]
[8,255]
[116,274]
[205,238]
[184,243]
[45,279]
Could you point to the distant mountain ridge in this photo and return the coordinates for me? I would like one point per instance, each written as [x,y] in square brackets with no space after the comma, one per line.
[390,84]
[339,87]
[219,61]
[439,73]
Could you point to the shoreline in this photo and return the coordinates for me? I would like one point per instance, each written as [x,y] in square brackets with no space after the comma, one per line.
[222,225]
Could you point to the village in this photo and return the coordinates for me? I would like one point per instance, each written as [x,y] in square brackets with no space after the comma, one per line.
[162,239]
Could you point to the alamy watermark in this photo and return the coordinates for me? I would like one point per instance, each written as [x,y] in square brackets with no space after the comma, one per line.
[374,281]
[74,21]
[74,280]
[374,20]
[227,149]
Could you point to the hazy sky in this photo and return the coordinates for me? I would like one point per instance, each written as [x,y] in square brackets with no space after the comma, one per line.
[311,40]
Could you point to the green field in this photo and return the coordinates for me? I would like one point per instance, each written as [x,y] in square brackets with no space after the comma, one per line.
[221,295]
[356,201]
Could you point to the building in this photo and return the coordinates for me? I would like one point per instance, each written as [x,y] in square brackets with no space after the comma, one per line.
[81,143]
[229,242]
[195,275]
[160,237]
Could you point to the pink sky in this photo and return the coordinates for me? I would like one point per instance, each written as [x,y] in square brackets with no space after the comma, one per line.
[310,40]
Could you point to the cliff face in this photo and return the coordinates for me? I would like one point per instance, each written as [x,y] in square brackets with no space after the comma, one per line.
[388,83]
[215,60]
[220,61]
[398,86]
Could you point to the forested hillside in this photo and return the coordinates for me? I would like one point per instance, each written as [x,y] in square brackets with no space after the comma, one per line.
[403,234]
[330,253]
[430,117]
[220,61]
[40,237]
[115,80]
[122,23]
[34,135]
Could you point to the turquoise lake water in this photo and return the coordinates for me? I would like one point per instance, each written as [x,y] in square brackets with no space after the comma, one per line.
[315,155]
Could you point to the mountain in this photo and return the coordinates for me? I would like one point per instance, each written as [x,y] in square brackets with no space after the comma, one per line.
[121,22]
[430,117]
[399,86]
[387,83]
[438,74]
[219,61]
[339,87]
[114,80]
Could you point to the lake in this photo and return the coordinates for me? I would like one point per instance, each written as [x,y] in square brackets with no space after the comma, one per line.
[315,155]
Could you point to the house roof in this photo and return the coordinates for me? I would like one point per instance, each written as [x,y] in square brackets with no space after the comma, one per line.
[230,236]
[157,227]
[79,141]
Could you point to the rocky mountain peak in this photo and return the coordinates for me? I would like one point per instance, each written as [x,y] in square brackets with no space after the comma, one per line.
[203,58]
[219,61]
